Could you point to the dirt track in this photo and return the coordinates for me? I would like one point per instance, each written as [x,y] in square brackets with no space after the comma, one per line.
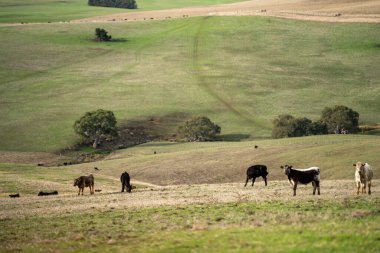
[314,10]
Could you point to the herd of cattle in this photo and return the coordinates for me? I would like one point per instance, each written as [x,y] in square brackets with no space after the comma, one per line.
[363,178]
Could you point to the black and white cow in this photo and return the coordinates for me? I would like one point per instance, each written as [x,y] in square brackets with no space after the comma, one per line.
[303,176]
[256,171]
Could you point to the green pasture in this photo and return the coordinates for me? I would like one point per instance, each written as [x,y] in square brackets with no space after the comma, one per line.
[347,225]
[241,72]
[26,11]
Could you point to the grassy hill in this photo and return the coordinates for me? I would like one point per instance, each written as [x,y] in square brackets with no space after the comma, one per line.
[12,11]
[239,71]
[192,216]
[202,163]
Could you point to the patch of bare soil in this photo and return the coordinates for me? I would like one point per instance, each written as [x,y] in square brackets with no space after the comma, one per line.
[179,195]
[35,158]
[315,10]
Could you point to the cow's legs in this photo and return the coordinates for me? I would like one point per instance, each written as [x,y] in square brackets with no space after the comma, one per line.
[314,187]
[78,191]
[363,188]
[265,180]
[318,188]
[358,188]
[369,187]
[122,186]
[295,188]
[253,180]
[246,182]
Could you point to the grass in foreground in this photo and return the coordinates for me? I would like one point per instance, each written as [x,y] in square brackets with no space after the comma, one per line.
[346,225]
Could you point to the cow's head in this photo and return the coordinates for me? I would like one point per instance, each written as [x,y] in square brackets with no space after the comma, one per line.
[129,188]
[76,182]
[359,167]
[286,169]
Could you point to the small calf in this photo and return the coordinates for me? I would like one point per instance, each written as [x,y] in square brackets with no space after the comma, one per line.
[363,176]
[14,195]
[303,176]
[256,171]
[47,193]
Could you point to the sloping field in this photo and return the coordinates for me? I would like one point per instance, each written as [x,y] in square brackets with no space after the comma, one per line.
[200,163]
[26,11]
[316,10]
[239,71]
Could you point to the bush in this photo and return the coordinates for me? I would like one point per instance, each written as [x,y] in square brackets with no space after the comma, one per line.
[199,129]
[340,118]
[287,126]
[127,4]
[101,35]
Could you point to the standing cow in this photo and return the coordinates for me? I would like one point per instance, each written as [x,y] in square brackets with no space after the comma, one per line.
[85,181]
[363,176]
[256,171]
[303,176]
[125,182]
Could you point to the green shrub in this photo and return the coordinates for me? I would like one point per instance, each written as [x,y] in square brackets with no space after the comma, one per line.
[199,129]
[101,35]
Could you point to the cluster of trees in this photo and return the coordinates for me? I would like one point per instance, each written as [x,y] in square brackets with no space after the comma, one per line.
[338,119]
[100,124]
[127,4]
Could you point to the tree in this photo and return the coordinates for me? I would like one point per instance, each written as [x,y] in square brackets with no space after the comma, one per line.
[282,126]
[96,125]
[340,117]
[199,129]
[101,35]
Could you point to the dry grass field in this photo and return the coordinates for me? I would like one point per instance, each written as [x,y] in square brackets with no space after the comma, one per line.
[315,10]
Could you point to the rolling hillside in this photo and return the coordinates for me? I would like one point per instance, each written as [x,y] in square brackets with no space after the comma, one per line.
[239,71]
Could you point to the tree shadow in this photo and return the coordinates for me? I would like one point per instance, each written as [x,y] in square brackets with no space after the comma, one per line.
[234,137]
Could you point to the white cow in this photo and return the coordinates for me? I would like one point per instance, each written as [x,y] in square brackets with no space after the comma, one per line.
[363,176]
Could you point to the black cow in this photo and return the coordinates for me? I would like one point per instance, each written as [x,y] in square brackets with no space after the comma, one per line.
[125,182]
[256,171]
[303,176]
[17,195]
[47,193]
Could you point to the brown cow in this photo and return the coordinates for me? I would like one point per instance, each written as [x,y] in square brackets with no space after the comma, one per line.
[85,181]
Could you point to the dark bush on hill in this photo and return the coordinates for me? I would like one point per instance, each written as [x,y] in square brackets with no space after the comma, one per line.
[102,35]
[199,129]
[287,126]
[340,118]
[127,4]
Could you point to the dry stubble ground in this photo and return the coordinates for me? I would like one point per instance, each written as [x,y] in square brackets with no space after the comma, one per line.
[179,195]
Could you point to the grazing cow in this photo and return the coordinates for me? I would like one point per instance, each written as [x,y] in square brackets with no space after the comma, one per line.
[303,176]
[85,181]
[363,176]
[47,193]
[125,182]
[256,171]
[14,195]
